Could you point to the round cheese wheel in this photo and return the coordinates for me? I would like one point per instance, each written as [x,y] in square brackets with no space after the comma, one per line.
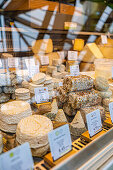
[38,78]
[34,129]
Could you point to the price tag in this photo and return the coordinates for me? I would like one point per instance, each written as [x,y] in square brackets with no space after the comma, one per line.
[44,60]
[60,83]
[72,55]
[94,122]
[32,68]
[111,110]
[41,95]
[62,55]
[60,141]
[13,62]
[19,158]
[104,39]
[1,63]
[74,70]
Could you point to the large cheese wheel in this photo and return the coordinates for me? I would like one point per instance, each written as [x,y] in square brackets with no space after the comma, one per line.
[34,129]
[13,112]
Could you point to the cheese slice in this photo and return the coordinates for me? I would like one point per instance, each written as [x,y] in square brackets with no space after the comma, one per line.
[91,52]
[43,46]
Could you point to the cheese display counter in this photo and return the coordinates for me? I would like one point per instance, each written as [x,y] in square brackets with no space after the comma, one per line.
[56,78]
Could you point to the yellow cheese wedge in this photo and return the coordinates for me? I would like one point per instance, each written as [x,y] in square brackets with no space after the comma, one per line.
[78,44]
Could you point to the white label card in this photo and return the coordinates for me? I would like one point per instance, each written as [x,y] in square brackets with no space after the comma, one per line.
[111,110]
[44,60]
[19,158]
[74,70]
[1,63]
[104,39]
[60,141]
[62,55]
[41,95]
[13,62]
[30,62]
[94,122]
[72,55]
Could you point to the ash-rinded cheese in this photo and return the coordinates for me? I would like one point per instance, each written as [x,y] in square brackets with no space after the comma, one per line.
[34,129]
[101,84]
[13,112]
[54,106]
[69,110]
[76,83]
[43,46]
[56,62]
[77,126]
[39,78]
[86,110]
[4,97]
[60,116]
[32,87]
[9,89]
[105,94]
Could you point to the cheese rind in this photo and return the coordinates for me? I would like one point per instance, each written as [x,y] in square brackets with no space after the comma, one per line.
[34,129]
[60,116]
[39,78]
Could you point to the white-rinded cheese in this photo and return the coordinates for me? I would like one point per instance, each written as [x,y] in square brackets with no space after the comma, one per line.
[22,94]
[11,128]
[13,112]
[91,52]
[43,46]
[60,116]
[34,129]
[61,68]
[56,62]
[32,87]
[51,69]
[39,78]
[57,75]
[48,80]
[25,84]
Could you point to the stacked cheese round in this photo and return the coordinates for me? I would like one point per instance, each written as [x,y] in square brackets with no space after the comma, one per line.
[32,87]
[12,113]
[38,78]
[22,94]
[34,129]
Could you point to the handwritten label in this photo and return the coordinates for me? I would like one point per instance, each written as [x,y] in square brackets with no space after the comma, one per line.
[94,122]
[41,95]
[74,70]
[44,60]
[19,158]
[60,141]
[104,39]
[72,55]
[13,62]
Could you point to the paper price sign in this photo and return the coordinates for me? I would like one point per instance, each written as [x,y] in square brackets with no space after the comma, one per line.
[13,62]
[104,39]
[44,60]
[62,55]
[72,55]
[30,62]
[94,122]
[60,83]
[60,141]
[74,70]
[19,158]
[111,110]
[41,95]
